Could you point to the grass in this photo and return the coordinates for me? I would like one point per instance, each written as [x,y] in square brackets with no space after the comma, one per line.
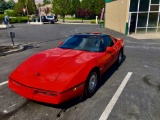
[7,48]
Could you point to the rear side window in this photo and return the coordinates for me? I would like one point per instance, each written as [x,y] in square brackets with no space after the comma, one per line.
[108,41]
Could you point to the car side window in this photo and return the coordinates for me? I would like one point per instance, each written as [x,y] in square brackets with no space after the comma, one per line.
[108,41]
[102,45]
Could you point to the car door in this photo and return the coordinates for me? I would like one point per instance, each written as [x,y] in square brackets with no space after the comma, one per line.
[106,58]
[116,48]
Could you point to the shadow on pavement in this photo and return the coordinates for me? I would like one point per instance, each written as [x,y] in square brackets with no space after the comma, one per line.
[8,115]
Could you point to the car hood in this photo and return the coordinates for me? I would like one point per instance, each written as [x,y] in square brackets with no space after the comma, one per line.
[44,69]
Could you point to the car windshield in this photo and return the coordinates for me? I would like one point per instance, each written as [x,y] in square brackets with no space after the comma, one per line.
[92,43]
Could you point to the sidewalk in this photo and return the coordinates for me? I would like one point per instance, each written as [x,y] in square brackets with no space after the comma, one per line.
[145,36]
[2,26]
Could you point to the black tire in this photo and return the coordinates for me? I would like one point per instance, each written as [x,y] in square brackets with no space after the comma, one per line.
[120,57]
[91,83]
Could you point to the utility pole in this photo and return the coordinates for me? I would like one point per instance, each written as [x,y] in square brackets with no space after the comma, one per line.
[27,12]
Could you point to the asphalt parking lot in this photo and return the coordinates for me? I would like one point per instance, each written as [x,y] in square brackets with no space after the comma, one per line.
[128,92]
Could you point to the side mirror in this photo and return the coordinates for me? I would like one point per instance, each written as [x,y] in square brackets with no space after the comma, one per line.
[60,43]
[110,49]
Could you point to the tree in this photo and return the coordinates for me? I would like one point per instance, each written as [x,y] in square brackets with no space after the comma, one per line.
[18,8]
[98,5]
[87,5]
[83,13]
[3,5]
[31,6]
[61,7]
[74,5]
[47,2]
[39,5]
[10,4]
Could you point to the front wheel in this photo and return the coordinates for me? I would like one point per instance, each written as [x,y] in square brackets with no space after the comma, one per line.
[91,84]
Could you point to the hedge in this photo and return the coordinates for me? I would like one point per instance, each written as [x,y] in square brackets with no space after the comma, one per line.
[10,13]
[1,18]
[19,20]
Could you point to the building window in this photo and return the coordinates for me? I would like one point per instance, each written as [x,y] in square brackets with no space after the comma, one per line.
[144,5]
[154,8]
[144,16]
[153,17]
[142,19]
[154,1]
[134,5]
[141,30]
[151,30]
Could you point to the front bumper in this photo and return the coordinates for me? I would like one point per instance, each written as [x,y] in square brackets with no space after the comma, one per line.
[44,95]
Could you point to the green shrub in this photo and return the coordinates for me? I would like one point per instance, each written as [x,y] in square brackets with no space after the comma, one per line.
[23,19]
[10,13]
[1,18]
[93,22]
[100,22]
[19,20]
[13,20]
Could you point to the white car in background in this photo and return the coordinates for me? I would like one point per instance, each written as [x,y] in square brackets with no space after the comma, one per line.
[49,19]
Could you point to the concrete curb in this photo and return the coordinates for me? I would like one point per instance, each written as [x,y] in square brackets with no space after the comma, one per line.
[84,23]
[5,26]
[145,36]
[36,23]
[20,48]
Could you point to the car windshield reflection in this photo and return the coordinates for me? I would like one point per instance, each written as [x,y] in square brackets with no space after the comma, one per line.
[91,43]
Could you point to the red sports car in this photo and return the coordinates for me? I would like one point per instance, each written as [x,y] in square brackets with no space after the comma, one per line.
[72,69]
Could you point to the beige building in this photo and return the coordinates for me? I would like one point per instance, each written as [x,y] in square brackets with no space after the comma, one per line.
[43,8]
[133,16]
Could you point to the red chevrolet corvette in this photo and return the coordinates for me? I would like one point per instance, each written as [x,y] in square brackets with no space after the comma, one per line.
[72,69]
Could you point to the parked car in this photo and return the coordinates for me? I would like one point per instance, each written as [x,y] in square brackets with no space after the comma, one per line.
[49,19]
[55,18]
[72,69]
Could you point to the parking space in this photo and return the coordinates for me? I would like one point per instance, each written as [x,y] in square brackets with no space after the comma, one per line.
[137,99]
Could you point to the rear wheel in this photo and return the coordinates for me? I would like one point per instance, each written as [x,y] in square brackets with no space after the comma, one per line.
[120,57]
[91,84]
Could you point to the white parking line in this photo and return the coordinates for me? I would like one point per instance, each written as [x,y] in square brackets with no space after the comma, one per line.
[115,97]
[3,83]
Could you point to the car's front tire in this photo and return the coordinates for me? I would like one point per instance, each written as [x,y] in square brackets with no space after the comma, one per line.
[91,83]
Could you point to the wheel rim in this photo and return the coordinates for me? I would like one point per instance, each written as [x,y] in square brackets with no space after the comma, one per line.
[120,57]
[92,82]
